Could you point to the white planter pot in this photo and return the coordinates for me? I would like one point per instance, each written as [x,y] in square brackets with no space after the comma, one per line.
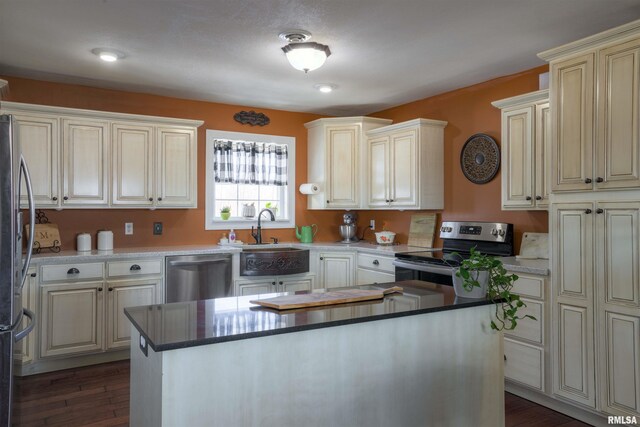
[476,292]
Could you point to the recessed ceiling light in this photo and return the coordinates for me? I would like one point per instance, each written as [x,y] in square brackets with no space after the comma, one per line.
[108,55]
[325,87]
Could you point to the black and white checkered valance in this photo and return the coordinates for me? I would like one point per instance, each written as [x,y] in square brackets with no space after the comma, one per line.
[244,162]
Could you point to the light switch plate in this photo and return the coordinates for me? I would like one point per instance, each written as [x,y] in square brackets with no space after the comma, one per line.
[128,228]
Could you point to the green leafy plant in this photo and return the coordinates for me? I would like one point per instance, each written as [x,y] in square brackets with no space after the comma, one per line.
[225,209]
[498,288]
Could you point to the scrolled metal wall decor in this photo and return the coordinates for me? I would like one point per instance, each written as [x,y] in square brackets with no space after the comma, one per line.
[251,118]
[480,158]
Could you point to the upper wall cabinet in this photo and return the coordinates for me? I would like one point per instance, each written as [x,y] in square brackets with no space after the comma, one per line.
[526,132]
[337,161]
[405,166]
[90,159]
[595,105]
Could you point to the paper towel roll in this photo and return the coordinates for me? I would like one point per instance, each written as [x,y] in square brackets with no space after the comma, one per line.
[83,242]
[105,240]
[310,188]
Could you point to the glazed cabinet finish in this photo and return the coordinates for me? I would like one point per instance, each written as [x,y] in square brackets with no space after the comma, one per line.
[176,167]
[343,167]
[269,285]
[133,165]
[526,135]
[336,269]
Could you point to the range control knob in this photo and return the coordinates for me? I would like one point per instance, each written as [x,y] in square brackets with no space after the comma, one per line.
[494,232]
[443,229]
[501,232]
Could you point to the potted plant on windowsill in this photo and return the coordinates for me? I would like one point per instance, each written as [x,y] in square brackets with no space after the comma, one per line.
[225,212]
[481,276]
[273,207]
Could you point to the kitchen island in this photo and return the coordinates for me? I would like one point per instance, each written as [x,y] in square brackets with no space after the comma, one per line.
[417,359]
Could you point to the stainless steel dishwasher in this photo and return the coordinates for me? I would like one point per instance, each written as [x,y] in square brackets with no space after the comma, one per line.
[195,277]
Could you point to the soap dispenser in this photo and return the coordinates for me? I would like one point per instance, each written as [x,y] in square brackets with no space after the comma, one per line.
[232,236]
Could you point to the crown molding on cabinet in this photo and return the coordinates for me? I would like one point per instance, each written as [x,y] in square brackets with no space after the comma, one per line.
[347,120]
[408,124]
[527,98]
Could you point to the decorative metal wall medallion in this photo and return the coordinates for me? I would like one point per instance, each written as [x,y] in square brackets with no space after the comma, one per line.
[480,158]
[251,118]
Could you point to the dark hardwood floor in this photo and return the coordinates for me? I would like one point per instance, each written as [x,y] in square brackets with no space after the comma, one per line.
[99,396]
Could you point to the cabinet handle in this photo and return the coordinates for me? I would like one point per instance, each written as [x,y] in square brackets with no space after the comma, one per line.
[528,197]
[110,289]
[65,198]
[54,198]
[321,259]
[599,179]
[538,197]
[588,211]
[151,199]
[33,274]
[159,199]
[588,181]
[100,289]
[73,271]
[135,267]
[505,357]
[376,262]
[599,211]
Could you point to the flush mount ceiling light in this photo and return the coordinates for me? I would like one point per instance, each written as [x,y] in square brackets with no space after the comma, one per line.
[303,55]
[108,55]
[325,87]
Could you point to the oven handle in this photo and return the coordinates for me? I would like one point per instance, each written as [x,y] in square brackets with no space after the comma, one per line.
[422,267]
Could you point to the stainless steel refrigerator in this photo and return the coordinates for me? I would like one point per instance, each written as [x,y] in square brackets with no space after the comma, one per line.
[13,266]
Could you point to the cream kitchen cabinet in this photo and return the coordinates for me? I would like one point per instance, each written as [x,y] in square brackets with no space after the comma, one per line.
[336,160]
[595,102]
[26,350]
[405,167]
[375,269]
[88,159]
[268,285]
[154,166]
[526,132]
[336,269]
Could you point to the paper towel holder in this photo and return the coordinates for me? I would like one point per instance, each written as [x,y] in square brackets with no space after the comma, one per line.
[309,188]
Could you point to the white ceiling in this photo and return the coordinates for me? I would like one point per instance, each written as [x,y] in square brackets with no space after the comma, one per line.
[384,53]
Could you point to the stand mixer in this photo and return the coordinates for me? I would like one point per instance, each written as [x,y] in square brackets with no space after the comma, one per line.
[349,228]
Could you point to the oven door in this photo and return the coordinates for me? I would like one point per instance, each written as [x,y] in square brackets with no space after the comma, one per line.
[408,270]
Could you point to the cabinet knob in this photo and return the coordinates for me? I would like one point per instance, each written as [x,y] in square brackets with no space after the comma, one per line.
[273,283]
[65,198]
[538,197]
[151,199]
[376,262]
[159,199]
[73,271]
[110,289]
[135,267]
[599,179]
[387,200]
[281,282]
[54,198]
[392,200]
[328,202]
[33,274]
[321,259]
[588,211]
[599,211]
[528,197]
[588,181]
[100,289]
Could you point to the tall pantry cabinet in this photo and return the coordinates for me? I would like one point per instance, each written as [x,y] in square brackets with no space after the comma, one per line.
[595,220]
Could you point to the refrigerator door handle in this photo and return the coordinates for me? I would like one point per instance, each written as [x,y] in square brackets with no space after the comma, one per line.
[32,218]
[32,323]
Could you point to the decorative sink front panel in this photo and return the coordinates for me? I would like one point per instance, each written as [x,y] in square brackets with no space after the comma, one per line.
[274,262]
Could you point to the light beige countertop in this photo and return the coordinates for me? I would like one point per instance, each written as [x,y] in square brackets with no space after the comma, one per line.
[161,251]
[531,266]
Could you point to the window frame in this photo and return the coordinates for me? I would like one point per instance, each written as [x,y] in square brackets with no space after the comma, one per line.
[212,220]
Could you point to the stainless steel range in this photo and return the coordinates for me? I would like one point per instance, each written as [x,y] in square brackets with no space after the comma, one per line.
[491,238]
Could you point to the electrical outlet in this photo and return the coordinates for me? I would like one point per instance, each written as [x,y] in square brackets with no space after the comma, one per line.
[372,224]
[157,228]
[128,228]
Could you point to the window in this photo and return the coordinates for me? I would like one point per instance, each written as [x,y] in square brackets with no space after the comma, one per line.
[241,197]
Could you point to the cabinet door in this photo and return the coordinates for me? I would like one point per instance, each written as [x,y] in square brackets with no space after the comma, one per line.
[292,285]
[404,179]
[72,318]
[378,174]
[342,167]
[133,165]
[517,157]
[337,269]
[257,287]
[542,151]
[619,116]
[38,136]
[572,97]
[85,162]
[127,294]
[176,167]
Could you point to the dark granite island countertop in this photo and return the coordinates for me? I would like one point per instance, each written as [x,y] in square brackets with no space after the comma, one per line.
[188,324]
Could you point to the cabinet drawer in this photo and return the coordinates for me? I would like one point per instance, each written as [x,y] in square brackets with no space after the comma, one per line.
[529,329]
[134,268]
[72,272]
[368,277]
[524,364]
[376,262]
[529,286]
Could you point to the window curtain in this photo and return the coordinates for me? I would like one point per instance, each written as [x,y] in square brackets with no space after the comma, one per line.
[243,162]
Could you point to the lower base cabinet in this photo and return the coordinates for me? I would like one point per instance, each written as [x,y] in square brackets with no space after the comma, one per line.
[336,269]
[271,284]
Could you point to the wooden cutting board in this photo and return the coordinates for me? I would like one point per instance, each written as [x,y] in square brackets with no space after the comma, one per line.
[421,230]
[288,302]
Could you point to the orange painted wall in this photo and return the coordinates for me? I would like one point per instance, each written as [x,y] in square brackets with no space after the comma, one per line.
[467,110]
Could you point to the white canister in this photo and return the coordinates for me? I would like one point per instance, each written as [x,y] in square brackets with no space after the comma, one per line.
[83,242]
[105,240]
